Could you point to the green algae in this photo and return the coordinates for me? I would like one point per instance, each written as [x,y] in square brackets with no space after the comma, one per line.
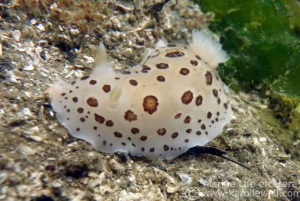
[261,38]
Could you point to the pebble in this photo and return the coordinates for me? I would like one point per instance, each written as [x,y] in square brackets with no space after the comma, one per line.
[23,149]
[26,111]
[185,178]
[57,183]
[202,182]
[74,32]
[16,34]
[262,139]
[41,27]
[284,157]
[33,21]
[36,138]
[52,126]
[28,68]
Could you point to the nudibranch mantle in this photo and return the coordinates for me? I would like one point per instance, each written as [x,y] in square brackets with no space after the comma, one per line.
[172,101]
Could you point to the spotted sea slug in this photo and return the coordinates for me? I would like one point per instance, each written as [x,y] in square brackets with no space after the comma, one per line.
[172,101]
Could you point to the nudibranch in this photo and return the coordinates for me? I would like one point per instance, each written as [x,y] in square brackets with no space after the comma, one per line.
[172,101]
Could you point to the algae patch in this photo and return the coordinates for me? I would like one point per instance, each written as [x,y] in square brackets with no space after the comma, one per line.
[262,41]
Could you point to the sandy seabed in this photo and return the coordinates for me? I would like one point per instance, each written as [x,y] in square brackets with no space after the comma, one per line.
[40,161]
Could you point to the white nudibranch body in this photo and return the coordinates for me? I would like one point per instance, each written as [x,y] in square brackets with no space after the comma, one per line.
[172,101]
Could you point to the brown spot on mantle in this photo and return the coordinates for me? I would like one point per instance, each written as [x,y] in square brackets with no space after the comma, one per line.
[92,102]
[209,78]
[150,104]
[175,54]
[187,97]
[130,116]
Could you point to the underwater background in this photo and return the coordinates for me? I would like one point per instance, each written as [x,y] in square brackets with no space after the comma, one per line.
[46,40]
